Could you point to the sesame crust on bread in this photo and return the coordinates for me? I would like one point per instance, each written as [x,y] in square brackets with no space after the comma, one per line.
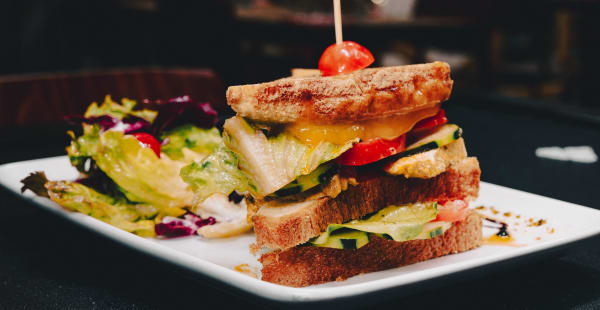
[361,95]
[308,265]
[282,225]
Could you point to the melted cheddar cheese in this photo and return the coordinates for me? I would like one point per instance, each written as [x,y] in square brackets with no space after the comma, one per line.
[387,128]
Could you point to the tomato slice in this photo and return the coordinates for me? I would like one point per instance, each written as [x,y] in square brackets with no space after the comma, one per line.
[371,151]
[436,120]
[344,58]
[148,140]
[452,211]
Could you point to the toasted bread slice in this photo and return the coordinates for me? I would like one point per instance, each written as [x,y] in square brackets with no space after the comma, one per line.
[361,95]
[282,225]
[309,265]
[302,72]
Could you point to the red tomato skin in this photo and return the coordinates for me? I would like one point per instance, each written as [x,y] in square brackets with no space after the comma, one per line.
[436,120]
[452,211]
[147,140]
[346,57]
[371,151]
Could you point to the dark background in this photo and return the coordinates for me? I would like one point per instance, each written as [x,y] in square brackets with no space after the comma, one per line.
[525,76]
[527,49]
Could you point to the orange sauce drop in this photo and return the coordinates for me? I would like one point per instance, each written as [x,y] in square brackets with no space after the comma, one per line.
[245,269]
[501,240]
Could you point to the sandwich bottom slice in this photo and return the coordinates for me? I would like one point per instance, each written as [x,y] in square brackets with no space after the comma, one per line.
[293,262]
[308,265]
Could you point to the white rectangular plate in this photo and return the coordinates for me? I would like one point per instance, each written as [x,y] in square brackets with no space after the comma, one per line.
[564,223]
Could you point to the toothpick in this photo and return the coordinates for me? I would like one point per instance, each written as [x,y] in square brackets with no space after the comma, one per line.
[337,14]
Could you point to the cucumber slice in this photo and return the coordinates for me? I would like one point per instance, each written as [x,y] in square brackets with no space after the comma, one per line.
[398,223]
[305,182]
[345,239]
[434,229]
[445,135]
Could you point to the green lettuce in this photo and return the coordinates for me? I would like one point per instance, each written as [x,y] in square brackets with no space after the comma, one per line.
[217,173]
[83,147]
[118,111]
[399,223]
[141,175]
[252,162]
[275,161]
[73,196]
[200,140]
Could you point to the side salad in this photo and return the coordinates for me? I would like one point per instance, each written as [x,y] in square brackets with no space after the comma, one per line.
[129,157]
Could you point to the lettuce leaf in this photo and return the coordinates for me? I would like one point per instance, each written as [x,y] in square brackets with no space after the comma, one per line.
[399,223]
[217,173]
[141,175]
[84,147]
[273,162]
[118,111]
[77,197]
[249,161]
[200,140]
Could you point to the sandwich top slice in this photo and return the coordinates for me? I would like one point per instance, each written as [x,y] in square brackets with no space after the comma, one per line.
[375,93]
[361,167]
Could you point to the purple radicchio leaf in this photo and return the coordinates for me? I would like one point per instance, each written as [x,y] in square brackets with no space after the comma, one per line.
[105,122]
[98,180]
[135,124]
[188,224]
[182,110]
[129,124]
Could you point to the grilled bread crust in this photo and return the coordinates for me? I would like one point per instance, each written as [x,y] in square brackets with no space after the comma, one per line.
[361,95]
[284,225]
[309,265]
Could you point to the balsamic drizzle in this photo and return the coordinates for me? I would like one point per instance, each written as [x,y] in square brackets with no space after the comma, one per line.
[502,230]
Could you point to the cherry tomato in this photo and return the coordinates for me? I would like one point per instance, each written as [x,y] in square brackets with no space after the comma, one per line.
[436,120]
[452,211]
[148,140]
[344,58]
[371,151]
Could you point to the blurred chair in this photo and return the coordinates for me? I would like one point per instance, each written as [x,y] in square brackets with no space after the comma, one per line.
[47,98]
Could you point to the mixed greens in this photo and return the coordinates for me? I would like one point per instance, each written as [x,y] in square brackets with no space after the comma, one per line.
[123,181]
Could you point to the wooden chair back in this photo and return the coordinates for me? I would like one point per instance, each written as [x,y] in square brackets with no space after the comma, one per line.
[47,98]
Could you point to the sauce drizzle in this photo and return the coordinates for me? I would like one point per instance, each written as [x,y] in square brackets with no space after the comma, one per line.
[502,237]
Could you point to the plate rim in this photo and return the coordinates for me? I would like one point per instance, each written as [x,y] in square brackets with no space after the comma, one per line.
[276,292]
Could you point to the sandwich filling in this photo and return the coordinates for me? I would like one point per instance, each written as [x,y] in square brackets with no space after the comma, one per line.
[298,161]
[267,161]
[398,223]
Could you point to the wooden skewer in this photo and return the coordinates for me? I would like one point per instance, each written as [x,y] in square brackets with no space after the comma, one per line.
[337,15]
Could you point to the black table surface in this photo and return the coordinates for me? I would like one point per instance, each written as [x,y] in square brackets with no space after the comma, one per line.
[47,262]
